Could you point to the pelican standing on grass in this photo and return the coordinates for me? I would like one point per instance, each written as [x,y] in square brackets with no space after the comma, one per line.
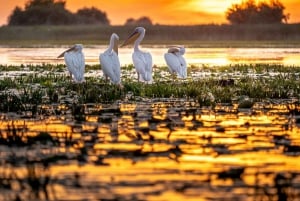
[109,61]
[74,59]
[176,62]
[142,61]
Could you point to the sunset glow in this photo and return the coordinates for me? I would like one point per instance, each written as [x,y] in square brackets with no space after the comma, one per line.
[170,12]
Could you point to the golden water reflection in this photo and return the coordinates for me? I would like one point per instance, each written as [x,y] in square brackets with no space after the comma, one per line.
[194,56]
[163,150]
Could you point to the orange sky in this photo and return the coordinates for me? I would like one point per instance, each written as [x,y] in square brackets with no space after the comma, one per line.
[181,12]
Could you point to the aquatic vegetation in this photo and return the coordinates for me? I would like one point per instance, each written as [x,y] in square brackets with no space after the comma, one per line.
[7,83]
[47,84]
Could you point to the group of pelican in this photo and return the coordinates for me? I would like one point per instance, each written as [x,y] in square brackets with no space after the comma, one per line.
[110,64]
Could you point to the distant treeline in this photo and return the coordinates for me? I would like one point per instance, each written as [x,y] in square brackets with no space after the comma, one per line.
[157,34]
[263,12]
[51,12]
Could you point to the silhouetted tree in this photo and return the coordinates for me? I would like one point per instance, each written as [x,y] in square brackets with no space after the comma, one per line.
[140,21]
[41,12]
[17,17]
[248,12]
[92,16]
[52,12]
[130,21]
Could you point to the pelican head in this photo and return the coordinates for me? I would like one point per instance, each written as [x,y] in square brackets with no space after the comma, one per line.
[138,31]
[115,36]
[181,50]
[75,48]
[177,49]
[114,40]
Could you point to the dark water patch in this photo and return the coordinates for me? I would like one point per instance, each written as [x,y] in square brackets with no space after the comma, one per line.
[157,149]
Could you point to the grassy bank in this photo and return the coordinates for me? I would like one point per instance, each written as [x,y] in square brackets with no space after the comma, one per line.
[285,35]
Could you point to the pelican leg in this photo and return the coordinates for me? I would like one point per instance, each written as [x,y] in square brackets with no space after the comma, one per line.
[138,77]
[120,86]
[174,76]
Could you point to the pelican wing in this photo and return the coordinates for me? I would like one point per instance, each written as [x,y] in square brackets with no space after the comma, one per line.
[176,64]
[172,62]
[148,62]
[143,64]
[183,68]
[110,65]
[76,64]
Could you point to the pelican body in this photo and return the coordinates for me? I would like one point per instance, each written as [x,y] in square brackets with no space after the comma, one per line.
[176,62]
[109,61]
[142,61]
[74,59]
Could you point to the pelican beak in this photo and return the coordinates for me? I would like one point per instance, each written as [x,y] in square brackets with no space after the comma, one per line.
[115,48]
[68,50]
[131,38]
[62,54]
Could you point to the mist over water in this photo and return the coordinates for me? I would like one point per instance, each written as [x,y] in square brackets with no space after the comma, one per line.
[194,56]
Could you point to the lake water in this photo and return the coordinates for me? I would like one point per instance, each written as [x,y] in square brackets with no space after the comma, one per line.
[194,56]
[159,149]
[146,149]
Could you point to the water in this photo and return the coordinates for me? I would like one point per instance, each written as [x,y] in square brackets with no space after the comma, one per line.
[151,149]
[159,149]
[194,56]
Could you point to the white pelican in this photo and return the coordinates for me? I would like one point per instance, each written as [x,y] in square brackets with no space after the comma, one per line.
[109,61]
[74,59]
[175,61]
[142,61]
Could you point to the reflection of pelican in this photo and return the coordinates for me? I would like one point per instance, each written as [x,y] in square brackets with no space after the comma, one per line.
[142,61]
[109,61]
[176,62]
[74,59]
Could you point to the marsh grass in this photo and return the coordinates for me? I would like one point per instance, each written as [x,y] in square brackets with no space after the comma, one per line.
[257,82]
